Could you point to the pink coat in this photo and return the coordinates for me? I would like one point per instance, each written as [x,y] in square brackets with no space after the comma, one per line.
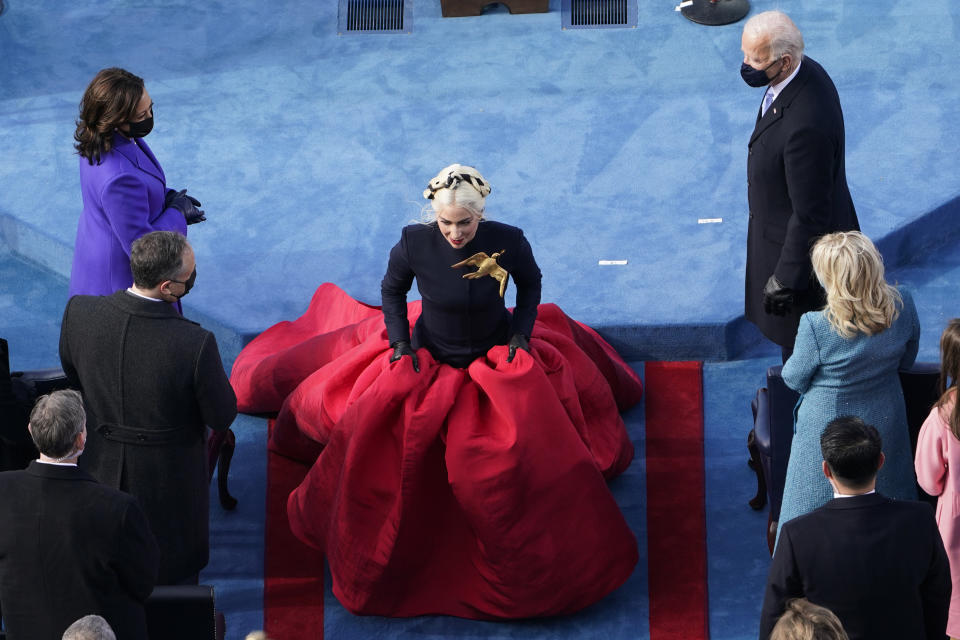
[938,453]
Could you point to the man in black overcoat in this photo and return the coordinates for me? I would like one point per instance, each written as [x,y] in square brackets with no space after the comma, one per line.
[796,176]
[70,546]
[152,382]
[878,564]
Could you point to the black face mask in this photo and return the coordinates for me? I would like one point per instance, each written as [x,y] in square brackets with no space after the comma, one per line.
[140,129]
[756,77]
[187,284]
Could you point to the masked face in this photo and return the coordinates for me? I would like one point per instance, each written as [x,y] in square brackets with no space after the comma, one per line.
[756,66]
[140,129]
[141,123]
[187,284]
[758,77]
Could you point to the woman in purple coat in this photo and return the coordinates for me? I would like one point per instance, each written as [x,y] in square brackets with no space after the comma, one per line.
[124,190]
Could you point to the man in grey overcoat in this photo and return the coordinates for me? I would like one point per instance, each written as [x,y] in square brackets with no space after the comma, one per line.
[152,381]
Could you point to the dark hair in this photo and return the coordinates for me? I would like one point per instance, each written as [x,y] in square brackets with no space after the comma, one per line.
[56,421]
[109,101]
[156,257]
[950,373]
[852,449]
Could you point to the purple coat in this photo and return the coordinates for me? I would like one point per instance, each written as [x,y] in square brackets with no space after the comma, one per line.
[122,200]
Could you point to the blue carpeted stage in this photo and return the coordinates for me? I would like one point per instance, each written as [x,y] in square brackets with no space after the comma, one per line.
[310,149]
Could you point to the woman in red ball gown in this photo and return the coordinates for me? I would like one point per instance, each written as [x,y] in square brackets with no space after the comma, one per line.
[459,469]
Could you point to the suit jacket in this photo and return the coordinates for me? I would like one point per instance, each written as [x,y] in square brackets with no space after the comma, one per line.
[16,446]
[123,199]
[797,191]
[461,318]
[70,547]
[151,381]
[877,563]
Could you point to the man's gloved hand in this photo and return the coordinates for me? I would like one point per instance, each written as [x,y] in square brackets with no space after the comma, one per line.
[402,348]
[187,205]
[517,341]
[777,299]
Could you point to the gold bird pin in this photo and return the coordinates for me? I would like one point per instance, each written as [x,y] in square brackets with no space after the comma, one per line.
[486,266]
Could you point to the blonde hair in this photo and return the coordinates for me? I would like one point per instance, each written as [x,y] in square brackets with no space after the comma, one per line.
[850,269]
[803,620]
[456,186]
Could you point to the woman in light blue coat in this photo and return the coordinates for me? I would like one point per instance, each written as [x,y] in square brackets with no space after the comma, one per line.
[845,362]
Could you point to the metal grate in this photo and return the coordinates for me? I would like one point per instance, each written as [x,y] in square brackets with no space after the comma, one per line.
[374,16]
[598,14]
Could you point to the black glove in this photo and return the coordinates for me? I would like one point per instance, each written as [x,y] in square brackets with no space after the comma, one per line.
[187,205]
[402,348]
[777,299]
[517,341]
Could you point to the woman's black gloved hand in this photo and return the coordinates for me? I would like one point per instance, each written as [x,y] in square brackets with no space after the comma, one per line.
[187,205]
[402,348]
[517,341]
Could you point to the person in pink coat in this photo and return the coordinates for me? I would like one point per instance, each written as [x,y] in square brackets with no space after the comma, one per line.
[938,454]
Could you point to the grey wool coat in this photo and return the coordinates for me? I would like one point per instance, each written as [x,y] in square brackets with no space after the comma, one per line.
[152,381]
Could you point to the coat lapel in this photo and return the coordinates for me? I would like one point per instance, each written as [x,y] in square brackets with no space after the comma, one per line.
[775,112]
[141,157]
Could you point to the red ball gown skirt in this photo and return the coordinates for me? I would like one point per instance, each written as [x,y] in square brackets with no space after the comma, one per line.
[477,492]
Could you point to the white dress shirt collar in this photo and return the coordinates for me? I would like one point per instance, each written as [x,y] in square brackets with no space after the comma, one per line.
[775,89]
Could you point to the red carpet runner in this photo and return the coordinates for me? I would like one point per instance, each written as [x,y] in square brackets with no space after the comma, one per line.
[676,521]
[293,572]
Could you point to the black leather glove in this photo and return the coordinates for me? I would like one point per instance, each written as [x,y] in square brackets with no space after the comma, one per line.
[517,341]
[402,348]
[777,299]
[187,205]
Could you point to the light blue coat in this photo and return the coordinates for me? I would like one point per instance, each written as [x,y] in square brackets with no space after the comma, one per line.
[856,376]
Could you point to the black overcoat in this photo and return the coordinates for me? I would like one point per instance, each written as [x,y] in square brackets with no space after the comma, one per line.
[461,318]
[151,381]
[797,191]
[878,564]
[70,547]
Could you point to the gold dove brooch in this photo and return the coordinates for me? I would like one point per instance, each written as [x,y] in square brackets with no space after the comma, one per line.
[486,266]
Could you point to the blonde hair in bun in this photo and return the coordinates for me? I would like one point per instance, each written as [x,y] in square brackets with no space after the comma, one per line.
[456,185]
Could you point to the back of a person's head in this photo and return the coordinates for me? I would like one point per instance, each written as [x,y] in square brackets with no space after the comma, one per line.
[55,422]
[155,257]
[89,628]
[859,299]
[803,620]
[851,448]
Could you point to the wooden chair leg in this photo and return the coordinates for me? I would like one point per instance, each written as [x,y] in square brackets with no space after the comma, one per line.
[771,533]
[759,500]
[224,459]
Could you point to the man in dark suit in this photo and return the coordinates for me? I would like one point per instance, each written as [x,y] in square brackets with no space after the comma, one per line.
[16,448]
[70,546]
[152,382]
[878,564]
[796,176]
